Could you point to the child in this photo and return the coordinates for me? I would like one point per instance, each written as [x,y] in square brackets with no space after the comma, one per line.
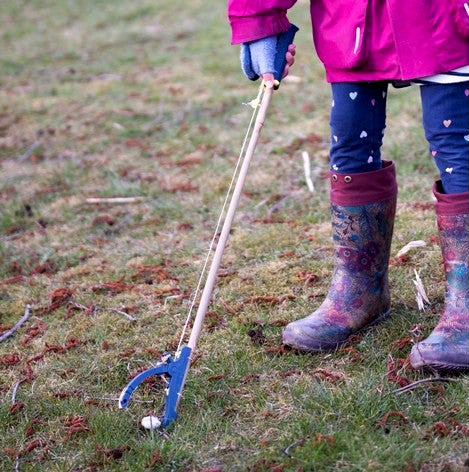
[364,46]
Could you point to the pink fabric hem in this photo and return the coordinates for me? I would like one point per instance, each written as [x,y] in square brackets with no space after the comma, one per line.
[450,203]
[257,27]
[364,188]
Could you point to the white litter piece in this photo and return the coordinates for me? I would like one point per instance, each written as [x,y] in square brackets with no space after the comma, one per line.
[411,245]
[307,168]
[421,294]
[151,422]
[293,79]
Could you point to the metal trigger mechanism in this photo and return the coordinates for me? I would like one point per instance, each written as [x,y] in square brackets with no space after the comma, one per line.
[175,370]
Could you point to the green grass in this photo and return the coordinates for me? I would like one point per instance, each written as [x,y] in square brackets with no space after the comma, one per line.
[144,99]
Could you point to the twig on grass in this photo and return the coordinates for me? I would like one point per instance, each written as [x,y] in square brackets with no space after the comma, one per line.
[29,151]
[12,236]
[298,442]
[15,391]
[115,200]
[123,313]
[277,205]
[170,297]
[24,318]
[412,385]
[90,309]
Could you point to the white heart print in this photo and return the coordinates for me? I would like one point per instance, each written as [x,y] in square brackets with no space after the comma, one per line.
[449,170]
[353,95]
[370,160]
[363,134]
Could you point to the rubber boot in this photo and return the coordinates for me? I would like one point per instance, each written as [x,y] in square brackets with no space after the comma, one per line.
[362,211]
[447,347]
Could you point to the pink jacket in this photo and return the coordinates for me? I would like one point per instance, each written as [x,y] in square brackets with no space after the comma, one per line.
[368,39]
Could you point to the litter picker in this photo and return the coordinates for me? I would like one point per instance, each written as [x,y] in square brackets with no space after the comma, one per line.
[174,368]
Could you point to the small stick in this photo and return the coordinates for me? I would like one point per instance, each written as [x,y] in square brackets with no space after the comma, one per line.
[278,204]
[26,315]
[29,151]
[170,297]
[123,313]
[114,200]
[12,236]
[15,391]
[412,385]
[88,309]
[298,442]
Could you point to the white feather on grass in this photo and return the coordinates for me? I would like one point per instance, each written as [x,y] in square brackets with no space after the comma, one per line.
[421,296]
[411,245]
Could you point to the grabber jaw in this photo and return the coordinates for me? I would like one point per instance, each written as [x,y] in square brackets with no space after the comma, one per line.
[175,370]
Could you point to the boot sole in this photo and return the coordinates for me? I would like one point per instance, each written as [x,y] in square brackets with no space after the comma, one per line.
[333,346]
[419,363]
[439,367]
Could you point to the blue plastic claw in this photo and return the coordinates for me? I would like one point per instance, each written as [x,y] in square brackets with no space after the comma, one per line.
[174,369]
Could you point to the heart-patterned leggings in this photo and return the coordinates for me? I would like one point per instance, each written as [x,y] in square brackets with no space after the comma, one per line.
[358,121]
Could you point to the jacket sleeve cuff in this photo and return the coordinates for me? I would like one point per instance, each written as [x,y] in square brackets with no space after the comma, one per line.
[244,29]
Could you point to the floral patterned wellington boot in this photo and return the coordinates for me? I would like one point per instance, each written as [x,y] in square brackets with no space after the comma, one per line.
[447,347]
[362,211]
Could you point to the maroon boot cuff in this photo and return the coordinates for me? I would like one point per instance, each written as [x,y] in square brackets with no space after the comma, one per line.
[367,187]
[450,203]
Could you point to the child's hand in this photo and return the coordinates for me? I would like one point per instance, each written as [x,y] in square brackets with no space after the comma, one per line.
[258,58]
[290,57]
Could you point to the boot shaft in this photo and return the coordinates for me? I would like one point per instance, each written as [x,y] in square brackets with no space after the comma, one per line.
[363,208]
[452,212]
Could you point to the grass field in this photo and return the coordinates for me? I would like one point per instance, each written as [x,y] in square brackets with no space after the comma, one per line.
[145,99]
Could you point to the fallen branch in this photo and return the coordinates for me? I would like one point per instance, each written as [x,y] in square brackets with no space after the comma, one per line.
[412,385]
[22,320]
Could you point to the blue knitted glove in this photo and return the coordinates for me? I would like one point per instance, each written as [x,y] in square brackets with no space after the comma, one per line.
[258,57]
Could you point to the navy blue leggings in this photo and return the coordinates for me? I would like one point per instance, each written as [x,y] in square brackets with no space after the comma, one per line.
[358,121]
